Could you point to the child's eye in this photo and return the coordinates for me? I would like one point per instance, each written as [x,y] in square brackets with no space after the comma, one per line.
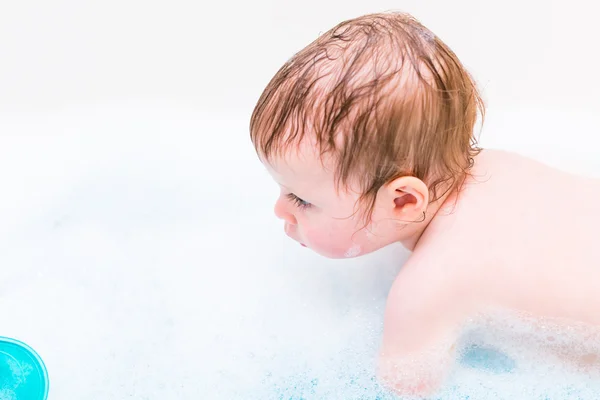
[298,201]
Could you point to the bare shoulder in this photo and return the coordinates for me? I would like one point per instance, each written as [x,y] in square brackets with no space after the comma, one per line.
[495,163]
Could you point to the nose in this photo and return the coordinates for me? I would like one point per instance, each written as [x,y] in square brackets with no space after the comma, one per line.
[281,211]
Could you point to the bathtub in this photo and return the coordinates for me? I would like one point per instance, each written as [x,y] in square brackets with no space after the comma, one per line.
[139,256]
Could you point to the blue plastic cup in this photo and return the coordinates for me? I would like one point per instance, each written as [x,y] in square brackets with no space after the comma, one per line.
[23,375]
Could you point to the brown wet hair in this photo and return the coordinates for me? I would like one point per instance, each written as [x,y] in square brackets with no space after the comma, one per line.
[381,94]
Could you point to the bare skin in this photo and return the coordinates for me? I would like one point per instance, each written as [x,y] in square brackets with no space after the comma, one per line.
[522,236]
[519,236]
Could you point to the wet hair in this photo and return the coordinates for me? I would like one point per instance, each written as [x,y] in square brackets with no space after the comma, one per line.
[381,94]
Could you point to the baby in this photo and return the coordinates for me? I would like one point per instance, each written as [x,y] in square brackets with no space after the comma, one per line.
[369,133]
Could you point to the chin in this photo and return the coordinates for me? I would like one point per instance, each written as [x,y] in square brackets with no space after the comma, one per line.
[339,254]
[326,253]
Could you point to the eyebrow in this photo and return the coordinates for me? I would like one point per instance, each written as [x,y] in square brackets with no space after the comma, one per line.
[282,185]
[289,189]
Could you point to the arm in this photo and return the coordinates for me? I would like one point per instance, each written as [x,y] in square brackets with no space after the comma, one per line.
[420,330]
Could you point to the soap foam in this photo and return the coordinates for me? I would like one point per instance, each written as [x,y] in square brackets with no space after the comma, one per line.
[353,251]
[174,293]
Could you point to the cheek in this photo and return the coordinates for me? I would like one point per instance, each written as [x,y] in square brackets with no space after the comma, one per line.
[337,240]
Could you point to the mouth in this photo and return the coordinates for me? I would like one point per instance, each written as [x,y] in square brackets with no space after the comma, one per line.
[292,236]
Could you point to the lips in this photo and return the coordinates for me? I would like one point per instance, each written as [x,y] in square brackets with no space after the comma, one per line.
[287,229]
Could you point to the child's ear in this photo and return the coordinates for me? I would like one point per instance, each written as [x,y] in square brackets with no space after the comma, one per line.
[406,198]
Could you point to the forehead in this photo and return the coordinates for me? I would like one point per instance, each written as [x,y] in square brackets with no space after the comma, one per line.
[301,167]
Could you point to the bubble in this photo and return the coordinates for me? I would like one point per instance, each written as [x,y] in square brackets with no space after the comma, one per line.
[353,251]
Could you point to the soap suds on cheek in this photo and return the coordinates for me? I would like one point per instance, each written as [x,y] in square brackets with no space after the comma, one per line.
[332,246]
[353,251]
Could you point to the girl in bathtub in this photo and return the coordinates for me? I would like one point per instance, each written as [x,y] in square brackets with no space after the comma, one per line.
[369,133]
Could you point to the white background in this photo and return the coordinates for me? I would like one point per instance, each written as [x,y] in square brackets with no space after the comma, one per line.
[529,57]
[138,251]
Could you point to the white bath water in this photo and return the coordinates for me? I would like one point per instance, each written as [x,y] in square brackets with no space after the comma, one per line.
[140,257]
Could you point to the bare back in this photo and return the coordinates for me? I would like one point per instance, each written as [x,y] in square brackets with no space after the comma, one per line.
[520,237]
[525,236]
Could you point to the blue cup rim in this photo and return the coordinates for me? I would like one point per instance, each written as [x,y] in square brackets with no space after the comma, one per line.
[36,357]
